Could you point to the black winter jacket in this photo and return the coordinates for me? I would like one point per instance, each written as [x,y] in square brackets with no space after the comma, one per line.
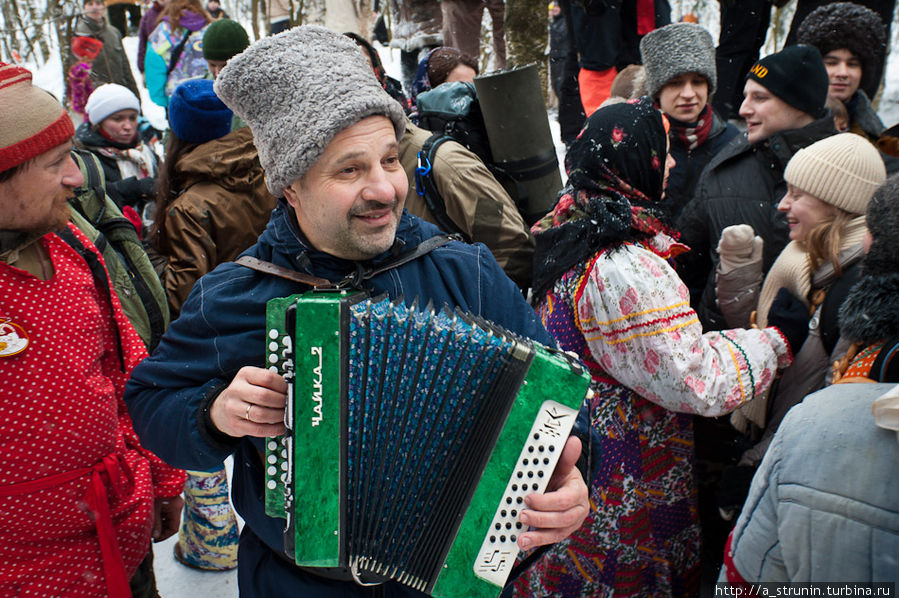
[685,175]
[741,185]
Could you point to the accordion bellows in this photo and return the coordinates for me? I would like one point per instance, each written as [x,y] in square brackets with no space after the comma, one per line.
[413,437]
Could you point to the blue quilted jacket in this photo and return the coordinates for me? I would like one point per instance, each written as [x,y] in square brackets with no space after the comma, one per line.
[824,504]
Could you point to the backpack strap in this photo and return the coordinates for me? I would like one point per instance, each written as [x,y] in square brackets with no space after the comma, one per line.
[351,281]
[94,181]
[176,54]
[427,189]
[111,231]
[101,281]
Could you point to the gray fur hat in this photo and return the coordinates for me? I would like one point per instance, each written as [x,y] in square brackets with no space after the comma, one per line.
[297,90]
[676,49]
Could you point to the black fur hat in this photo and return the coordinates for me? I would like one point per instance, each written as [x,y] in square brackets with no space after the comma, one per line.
[871,310]
[882,219]
[847,25]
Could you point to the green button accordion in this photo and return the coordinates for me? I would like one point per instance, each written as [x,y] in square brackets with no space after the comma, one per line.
[413,436]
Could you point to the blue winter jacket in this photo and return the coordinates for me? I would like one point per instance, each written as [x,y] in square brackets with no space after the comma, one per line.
[222,328]
[824,504]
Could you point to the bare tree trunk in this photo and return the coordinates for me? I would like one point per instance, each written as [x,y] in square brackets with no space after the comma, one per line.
[254,17]
[365,18]
[39,31]
[65,29]
[10,37]
[526,35]
[23,29]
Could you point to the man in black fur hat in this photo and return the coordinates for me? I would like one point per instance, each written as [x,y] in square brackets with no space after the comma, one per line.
[883,8]
[852,41]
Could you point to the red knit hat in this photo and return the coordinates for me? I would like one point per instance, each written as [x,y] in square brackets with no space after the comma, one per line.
[84,46]
[31,122]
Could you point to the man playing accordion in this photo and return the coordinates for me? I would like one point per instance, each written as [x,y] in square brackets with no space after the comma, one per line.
[327,138]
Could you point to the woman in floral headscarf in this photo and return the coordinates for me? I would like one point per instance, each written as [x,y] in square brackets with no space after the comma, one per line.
[605,290]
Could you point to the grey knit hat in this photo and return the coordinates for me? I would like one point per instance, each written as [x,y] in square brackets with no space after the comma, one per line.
[843,170]
[297,90]
[676,49]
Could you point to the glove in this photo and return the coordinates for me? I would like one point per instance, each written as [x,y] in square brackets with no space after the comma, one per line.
[739,246]
[133,191]
[147,187]
[789,315]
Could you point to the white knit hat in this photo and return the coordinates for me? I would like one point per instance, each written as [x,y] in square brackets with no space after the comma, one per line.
[108,99]
[843,170]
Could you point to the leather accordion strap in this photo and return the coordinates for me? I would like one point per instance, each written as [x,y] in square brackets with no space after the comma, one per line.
[269,268]
[353,280]
[421,249]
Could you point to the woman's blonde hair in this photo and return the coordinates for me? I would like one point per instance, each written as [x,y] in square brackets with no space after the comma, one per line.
[825,239]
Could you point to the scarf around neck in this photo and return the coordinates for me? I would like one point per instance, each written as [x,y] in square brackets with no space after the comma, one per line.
[615,179]
[792,268]
[692,135]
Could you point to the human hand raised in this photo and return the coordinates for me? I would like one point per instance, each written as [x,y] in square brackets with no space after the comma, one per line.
[252,405]
[562,508]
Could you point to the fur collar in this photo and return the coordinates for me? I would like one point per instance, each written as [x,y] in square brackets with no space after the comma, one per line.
[870,312]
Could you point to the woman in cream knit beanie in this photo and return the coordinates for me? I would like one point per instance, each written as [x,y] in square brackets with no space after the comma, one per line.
[829,185]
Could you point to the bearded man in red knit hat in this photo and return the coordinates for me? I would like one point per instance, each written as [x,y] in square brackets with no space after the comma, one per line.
[80,498]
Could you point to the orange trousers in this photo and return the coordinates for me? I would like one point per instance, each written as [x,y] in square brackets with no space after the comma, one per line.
[596,87]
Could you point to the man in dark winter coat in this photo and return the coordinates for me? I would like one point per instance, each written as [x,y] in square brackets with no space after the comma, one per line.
[607,35]
[327,135]
[784,111]
[681,77]
[111,65]
[852,41]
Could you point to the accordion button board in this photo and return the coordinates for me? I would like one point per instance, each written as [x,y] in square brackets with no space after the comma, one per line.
[535,465]
[413,438]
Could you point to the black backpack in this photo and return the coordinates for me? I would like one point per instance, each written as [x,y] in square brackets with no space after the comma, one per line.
[453,113]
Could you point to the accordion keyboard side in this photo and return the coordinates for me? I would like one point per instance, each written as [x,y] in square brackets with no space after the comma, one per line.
[523,459]
[279,359]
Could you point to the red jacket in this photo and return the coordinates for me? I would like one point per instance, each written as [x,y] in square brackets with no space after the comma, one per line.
[76,487]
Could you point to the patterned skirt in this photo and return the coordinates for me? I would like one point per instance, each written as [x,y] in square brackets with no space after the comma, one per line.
[642,536]
[208,535]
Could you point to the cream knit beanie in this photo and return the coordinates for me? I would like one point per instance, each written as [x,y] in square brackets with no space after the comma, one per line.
[843,170]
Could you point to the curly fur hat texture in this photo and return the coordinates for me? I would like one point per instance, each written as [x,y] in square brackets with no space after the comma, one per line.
[847,25]
[871,310]
[882,220]
[677,49]
[296,91]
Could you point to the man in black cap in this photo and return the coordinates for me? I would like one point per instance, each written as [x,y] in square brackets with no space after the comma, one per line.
[784,97]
